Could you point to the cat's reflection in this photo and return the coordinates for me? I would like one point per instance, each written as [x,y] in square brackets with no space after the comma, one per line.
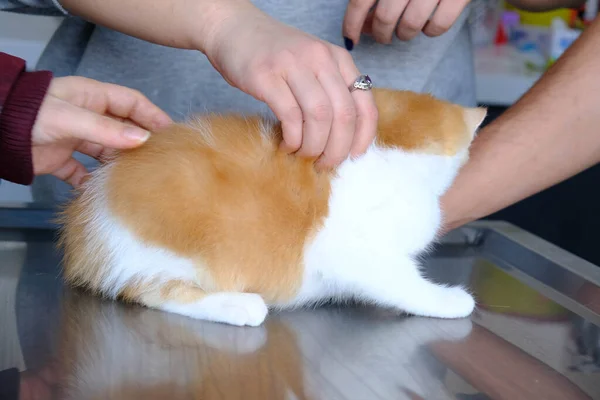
[111,351]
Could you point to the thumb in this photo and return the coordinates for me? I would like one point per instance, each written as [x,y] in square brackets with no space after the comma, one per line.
[72,122]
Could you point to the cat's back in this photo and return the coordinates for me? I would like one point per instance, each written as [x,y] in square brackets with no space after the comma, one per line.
[215,169]
[210,192]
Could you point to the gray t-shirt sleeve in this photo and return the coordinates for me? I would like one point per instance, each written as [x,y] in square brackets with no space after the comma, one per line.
[39,7]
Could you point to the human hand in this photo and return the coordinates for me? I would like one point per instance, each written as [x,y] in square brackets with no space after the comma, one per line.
[405,18]
[302,79]
[90,117]
[40,384]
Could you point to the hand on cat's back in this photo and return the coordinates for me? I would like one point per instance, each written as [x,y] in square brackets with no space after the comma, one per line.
[404,18]
[303,79]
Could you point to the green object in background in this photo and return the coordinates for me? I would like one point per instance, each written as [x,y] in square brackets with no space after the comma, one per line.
[533,67]
[499,292]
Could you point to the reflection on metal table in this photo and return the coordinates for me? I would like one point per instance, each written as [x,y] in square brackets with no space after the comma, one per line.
[534,334]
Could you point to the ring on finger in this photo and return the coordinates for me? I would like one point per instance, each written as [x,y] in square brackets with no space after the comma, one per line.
[363,82]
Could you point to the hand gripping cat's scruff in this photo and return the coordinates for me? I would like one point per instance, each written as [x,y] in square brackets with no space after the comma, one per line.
[209,220]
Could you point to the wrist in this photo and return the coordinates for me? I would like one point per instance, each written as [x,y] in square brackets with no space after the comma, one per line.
[217,17]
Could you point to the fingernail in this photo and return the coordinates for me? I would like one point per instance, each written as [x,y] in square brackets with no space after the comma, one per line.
[136,134]
[348,43]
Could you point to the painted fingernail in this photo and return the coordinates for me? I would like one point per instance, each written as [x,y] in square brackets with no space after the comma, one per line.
[348,43]
[136,134]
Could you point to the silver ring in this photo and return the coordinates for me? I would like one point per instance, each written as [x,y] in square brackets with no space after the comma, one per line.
[363,82]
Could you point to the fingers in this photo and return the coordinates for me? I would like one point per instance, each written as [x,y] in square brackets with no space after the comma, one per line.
[366,123]
[320,117]
[91,149]
[355,17]
[134,106]
[317,111]
[444,17]
[73,172]
[385,18]
[343,124]
[61,120]
[96,151]
[404,17]
[366,109]
[415,17]
[282,102]
[105,98]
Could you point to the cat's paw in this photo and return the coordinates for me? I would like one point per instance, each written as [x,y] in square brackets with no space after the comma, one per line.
[240,309]
[455,302]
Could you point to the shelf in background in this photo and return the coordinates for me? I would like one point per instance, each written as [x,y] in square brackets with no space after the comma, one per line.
[502,75]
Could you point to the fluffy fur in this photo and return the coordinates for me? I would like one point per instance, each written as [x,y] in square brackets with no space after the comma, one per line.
[209,220]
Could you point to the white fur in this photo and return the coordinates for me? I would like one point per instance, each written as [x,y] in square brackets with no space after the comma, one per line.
[233,308]
[384,213]
[128,259]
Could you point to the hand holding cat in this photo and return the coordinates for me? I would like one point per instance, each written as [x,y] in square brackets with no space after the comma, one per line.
[303,80]
[404,18]
[90,117]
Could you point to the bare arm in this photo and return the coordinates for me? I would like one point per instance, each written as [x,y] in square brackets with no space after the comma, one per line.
[185,24]
[304,80]
[550,134]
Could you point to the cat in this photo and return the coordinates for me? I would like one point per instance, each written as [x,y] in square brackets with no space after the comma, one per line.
[210,220]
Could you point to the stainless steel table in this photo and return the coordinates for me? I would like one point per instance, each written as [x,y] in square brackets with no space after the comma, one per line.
[534,335]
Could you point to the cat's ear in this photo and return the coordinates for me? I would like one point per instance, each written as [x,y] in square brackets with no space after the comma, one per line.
[474,118]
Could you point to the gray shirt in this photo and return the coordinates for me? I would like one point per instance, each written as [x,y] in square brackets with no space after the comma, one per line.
[183,81]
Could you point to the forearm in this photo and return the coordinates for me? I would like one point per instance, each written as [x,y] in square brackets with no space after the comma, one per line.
[549,135]
[545,5]
[185,24]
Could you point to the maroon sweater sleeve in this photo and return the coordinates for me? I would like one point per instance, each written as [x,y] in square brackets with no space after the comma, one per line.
[21,94]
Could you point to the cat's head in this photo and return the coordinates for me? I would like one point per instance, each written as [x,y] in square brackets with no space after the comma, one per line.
[421,123]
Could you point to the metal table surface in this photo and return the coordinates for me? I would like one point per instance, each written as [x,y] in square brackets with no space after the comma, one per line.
[534,334]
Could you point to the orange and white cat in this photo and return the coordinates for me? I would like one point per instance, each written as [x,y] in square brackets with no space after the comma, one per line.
[209,220]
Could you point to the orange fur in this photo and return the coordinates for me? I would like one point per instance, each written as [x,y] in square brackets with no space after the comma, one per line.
[420,122]
[234,197]
[217,191]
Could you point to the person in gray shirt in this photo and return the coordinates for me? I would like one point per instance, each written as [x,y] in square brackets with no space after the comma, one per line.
[280,57]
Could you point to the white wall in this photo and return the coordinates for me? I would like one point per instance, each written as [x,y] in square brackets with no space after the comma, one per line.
[23,36]
[26,36]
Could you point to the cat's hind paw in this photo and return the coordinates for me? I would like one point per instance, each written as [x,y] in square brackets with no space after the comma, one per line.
[454,302]
[240,309]
[233,308]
